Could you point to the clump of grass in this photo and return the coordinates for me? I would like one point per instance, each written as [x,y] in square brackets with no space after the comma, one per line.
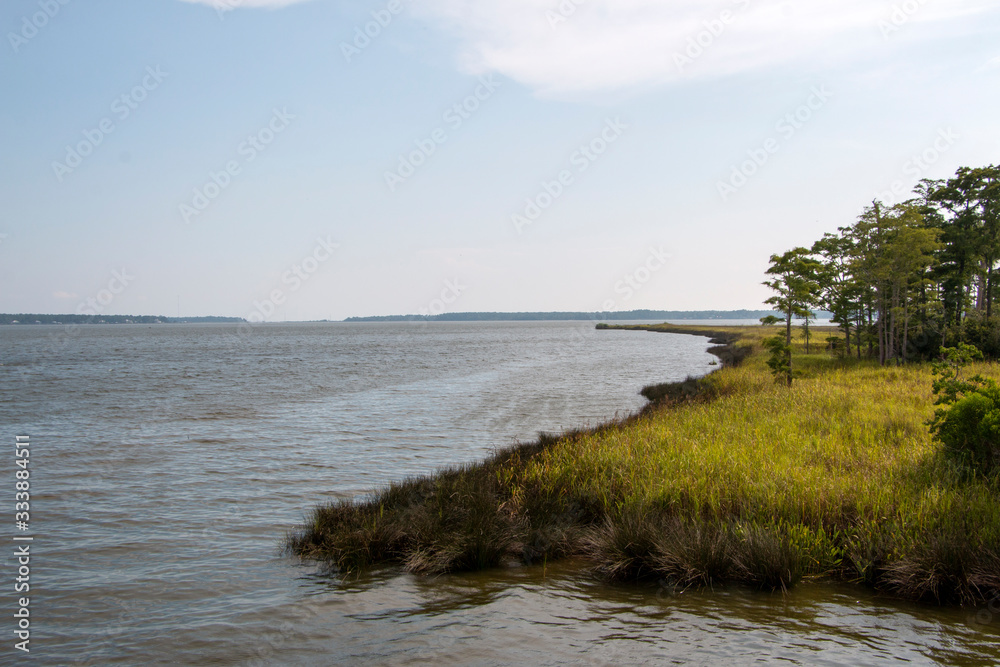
[626,547]
[742,481]
[766,558]
[952,562]
[675,392]
[471,517]
[650,545]
[349,535]
[732,355]
[698,554]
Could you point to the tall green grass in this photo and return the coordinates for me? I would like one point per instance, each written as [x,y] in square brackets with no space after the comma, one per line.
[733,479]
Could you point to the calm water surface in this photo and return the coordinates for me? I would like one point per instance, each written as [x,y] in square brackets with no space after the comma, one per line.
[168,462]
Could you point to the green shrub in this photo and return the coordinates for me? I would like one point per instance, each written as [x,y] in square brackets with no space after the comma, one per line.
[970,428]
[983,333]
[780,361]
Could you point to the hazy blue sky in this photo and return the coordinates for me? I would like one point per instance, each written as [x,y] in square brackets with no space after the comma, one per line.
[270,157]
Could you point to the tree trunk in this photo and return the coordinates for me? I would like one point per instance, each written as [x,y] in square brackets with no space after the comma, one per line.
[906,331]
[981,290]
[883,333]
[870,327]
[788,324]
[960,293]
[788,341]
[989,289]
[857,330]
[894,335]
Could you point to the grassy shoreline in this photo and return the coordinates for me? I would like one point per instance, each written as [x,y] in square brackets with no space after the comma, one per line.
[726,479]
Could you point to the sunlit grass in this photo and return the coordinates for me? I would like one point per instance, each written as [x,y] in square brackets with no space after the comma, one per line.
[753,482]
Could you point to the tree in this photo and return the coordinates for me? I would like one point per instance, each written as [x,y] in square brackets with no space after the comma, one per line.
[806,332]
[780,361]
[794,281]
[906,259]
[903,280]
[986,190]
[896,253]
[839,290]
[971,233]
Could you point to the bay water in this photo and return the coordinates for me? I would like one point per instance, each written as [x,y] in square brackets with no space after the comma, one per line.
[168,462]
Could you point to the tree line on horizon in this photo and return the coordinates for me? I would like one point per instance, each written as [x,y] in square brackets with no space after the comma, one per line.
[40,318]
[904,279]
[568,315]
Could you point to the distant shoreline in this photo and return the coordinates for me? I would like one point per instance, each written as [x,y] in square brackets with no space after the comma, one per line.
[554,316]
[657,315]
[37,318]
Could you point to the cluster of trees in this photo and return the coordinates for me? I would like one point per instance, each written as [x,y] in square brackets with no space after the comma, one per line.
[903,280]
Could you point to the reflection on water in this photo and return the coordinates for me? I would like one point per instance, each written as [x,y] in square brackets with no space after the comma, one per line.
[561,615]
[169,461]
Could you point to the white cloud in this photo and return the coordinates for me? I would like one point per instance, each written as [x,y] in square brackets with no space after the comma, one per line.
[566,46]
[65,295]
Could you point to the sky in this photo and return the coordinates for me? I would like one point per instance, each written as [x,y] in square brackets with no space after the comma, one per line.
[320,159]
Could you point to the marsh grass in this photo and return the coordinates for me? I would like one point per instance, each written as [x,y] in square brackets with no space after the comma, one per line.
[730,479]
[646,544]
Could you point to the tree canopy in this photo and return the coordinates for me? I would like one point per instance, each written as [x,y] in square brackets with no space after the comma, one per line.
[903,280]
